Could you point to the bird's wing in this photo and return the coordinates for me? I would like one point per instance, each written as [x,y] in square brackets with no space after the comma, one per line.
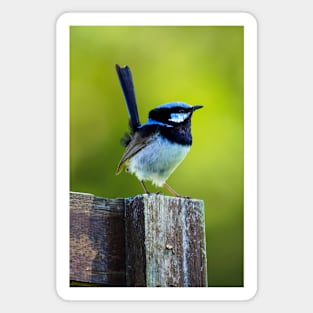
[137,143]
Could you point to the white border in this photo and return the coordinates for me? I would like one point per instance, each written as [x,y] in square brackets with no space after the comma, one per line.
[250,156]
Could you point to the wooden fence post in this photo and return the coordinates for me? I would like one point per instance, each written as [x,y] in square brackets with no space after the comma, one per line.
[97,240]
[149,240]
[165,242]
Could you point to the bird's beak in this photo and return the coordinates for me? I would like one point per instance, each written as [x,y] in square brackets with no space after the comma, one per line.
[196,107]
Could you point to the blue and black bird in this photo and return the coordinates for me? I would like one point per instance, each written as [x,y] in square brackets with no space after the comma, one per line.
[155,149]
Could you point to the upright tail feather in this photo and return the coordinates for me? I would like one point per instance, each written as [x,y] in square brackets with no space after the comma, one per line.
[126,81]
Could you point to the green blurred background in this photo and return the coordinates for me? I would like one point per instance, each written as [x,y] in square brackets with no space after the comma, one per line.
[197,65]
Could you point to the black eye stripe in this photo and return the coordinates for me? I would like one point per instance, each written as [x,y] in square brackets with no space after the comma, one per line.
[165,115]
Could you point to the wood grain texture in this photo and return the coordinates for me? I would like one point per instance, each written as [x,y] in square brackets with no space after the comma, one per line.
[148,240]
[97,244]
[165,242]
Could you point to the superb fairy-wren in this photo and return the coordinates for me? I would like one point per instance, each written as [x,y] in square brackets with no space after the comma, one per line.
[155,149]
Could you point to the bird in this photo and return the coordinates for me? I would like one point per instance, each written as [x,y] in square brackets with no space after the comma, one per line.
[156,148]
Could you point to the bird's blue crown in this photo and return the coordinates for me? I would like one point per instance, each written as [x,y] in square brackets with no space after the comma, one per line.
[172,105]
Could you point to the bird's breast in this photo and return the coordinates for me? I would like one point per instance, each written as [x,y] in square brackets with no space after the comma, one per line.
[157,160]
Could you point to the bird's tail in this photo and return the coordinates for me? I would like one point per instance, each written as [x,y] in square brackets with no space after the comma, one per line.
[126,81]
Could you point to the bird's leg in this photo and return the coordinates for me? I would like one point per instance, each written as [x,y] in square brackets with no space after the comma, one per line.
[144,187]
[171,190]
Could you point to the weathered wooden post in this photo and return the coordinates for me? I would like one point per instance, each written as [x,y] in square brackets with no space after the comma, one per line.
[97,240]
[149,240]
[165,242]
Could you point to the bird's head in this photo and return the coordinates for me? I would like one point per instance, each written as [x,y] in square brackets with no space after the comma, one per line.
[172,114]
